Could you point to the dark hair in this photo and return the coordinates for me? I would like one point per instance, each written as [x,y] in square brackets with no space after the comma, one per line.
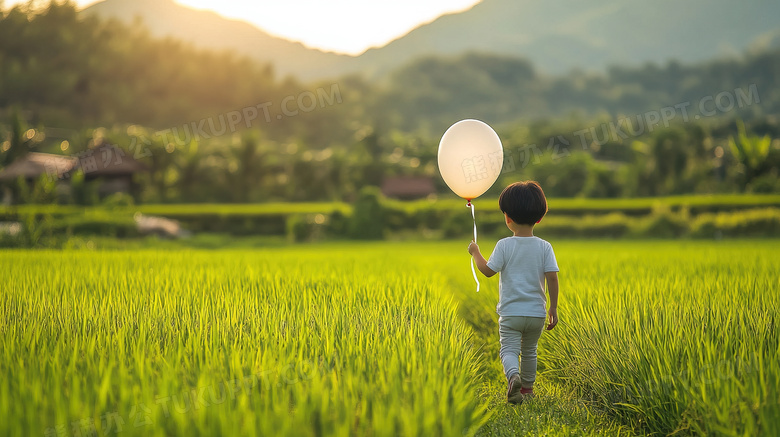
[523,202]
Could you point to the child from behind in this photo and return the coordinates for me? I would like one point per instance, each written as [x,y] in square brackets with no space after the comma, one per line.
[525,263]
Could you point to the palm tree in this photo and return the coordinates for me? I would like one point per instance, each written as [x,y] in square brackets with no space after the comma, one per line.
[750,151]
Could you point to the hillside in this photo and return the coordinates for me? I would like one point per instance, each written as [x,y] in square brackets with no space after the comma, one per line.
[209,30]
[554,36]
[562,35]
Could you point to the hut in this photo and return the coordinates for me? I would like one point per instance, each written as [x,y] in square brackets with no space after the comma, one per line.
[408,187]
[109,165]
[33,165]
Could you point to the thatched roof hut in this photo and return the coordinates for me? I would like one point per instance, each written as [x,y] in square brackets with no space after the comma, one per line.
[34,164]
[109,164]
[107,160]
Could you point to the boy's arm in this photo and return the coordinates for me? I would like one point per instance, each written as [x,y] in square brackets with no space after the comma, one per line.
[480,260]
[552,290]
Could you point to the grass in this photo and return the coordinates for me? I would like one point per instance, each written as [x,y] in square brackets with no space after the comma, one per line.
[449,203]
[639,204]
[385,339]
[676,338]
[267,341]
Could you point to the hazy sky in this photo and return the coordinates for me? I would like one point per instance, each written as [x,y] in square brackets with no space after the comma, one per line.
[347,26]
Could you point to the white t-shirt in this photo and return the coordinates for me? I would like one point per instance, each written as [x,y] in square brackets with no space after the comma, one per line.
[522,262]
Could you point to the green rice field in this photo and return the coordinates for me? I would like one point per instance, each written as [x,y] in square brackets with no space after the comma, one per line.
[385,339]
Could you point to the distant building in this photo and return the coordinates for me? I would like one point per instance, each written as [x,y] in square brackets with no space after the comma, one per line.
[408,187]
[106,163]
[32,165]
[112,166]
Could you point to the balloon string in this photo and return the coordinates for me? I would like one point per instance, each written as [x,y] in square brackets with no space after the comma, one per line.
[471,259]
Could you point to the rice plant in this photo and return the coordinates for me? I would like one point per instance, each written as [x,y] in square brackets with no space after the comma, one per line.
[385,339]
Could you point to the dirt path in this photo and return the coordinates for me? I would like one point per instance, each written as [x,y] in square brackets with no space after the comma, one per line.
[554,411]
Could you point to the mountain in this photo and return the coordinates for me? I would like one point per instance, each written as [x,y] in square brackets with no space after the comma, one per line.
[205,29]
[565,34]
[556,36]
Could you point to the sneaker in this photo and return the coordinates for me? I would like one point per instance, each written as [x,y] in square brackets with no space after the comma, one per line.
[514,393]
[527,392]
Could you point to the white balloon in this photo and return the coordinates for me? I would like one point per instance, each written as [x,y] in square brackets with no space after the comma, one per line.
[470,158]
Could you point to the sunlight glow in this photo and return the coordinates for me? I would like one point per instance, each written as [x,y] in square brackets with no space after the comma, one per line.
[344,26]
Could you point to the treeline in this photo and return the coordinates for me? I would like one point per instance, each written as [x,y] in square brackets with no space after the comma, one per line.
[66,70]
[430,93]
[684,158]
[69,70]
[213,127]
[372,216]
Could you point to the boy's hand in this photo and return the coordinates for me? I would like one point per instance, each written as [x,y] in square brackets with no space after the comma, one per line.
[473,248]
[552,318]
[479,260]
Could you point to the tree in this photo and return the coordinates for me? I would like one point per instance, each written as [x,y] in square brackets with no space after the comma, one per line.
[17,141]
[751,152]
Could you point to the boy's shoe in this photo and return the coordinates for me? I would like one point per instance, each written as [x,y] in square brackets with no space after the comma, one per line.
[514,393]
[527,392]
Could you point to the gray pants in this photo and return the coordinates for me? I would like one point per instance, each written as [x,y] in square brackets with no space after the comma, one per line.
[519,336]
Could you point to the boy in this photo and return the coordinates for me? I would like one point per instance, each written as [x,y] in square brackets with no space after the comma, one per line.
[525,262]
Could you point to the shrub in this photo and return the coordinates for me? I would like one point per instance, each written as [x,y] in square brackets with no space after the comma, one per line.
[768,183]
[234,224]
[614,225]
[396,218]
[33,230]
[752,223]
[368,216]
[663,223]
[118,201]
[83,192]
[298,229]
[458,224]
[306,227]
[109,226]
[337,224]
